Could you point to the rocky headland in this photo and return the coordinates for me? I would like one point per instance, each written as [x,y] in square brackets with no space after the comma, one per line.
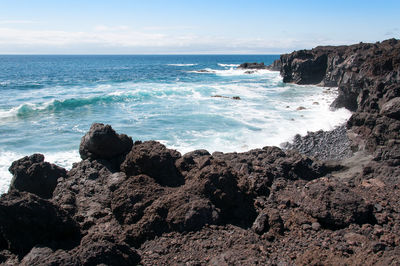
[328,198]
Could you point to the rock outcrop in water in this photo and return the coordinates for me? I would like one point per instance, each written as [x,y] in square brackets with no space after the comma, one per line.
[129,203]
[275,66]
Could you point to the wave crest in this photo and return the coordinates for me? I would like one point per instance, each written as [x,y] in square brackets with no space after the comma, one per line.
[29,109]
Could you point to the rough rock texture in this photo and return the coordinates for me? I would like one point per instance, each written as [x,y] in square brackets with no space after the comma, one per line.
[142,203]
[27,220]
[100,213]
[368,78]
[33,174]
[101,142]
[275,66]
[153,159]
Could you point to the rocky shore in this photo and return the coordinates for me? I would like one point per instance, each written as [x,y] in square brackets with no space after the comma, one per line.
[329,198]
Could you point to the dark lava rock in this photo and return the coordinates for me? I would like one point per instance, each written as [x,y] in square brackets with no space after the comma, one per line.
[27,220]
[275,66]
[303,67]
[252,66]
[105,249]
[265,206]
[33,174]
[213,179]
[261,225]
[101,142]
[391,108]
[270,221]
[334,205]
[46,256]
[346,99]
[368,81]
[153,159]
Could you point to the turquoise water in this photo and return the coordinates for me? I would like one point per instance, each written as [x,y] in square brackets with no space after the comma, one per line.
[47,103]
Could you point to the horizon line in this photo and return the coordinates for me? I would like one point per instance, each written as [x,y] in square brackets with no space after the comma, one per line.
[143,54]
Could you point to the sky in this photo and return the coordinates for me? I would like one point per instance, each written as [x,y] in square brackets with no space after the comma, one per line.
[191,26]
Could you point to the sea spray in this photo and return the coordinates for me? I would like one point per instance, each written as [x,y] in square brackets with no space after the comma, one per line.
[165,98]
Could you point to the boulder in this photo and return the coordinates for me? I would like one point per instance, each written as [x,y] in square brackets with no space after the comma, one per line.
[391,108]
[102,142]
[27,220]
[46,256]
[261,225]
[155,160]
[104,249]
[335,205]
[33,174]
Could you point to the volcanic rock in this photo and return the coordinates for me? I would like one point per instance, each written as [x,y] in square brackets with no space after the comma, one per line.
[101,142]
[142,203]
[33,174]
[27,220]
[275,66]
[391,108]
[334,205]
[155,160]
[254,65]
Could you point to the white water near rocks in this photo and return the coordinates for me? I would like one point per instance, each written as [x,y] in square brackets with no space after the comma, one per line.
[174,106]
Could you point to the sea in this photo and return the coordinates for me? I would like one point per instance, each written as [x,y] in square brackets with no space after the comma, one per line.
[48,102]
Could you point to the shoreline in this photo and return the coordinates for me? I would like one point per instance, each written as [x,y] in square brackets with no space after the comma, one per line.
[276,139]
[139,202]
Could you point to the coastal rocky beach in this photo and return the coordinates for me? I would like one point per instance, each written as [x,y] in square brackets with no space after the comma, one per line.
[326,198]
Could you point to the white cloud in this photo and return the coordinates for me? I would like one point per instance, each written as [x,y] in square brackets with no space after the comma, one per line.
[124,39]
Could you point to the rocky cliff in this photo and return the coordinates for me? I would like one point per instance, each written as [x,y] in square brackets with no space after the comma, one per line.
[368,79]
[131,202]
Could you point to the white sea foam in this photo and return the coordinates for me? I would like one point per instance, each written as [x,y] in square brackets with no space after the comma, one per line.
[173,111]
[263,127]
[228,65]
[64,158]
[181,64]
[6,158]
[233,72]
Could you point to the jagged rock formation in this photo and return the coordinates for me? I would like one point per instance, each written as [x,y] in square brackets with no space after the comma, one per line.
[368,78]
[130,203]
[33,174]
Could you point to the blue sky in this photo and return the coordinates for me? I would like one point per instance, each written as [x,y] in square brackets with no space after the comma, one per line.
[187,27]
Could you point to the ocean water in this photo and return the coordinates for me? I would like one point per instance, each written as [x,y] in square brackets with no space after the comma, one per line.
[47,103]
